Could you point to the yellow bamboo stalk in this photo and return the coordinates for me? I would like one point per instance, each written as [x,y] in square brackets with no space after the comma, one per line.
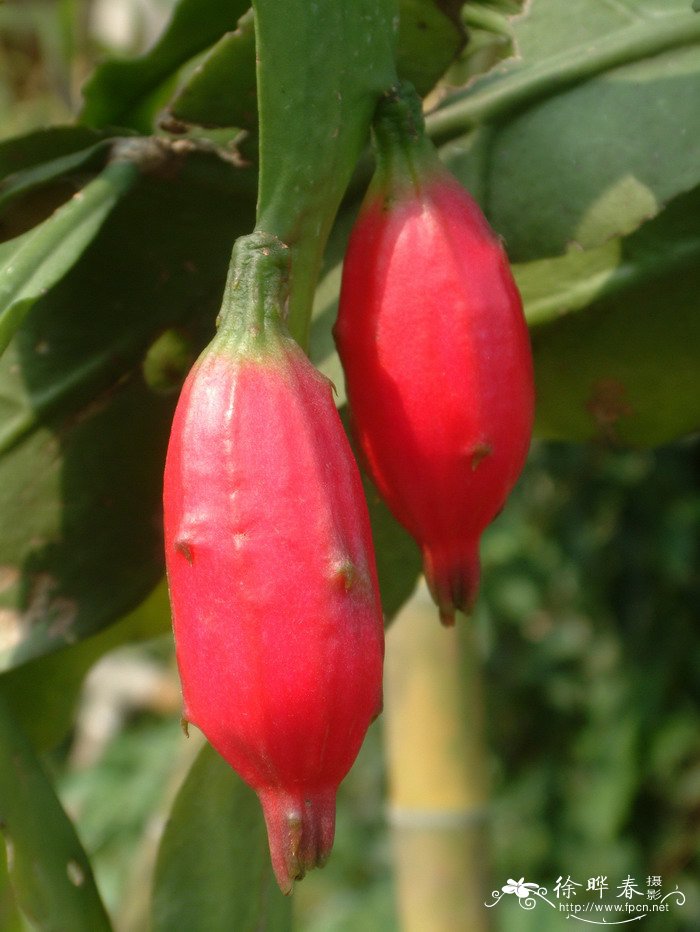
[437,771]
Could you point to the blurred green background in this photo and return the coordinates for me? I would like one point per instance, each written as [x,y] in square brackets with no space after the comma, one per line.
[587,626]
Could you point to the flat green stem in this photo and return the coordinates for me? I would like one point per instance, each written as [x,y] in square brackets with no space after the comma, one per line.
[47,252]
[504,95]
[321,69]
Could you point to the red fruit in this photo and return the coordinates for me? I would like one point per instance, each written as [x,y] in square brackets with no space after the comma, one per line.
[276,609]
[436,354]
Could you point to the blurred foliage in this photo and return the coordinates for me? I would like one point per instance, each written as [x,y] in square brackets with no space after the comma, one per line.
[48,49]
[588,625]
[588,621]
[592,593]
[589,610]
[34,67]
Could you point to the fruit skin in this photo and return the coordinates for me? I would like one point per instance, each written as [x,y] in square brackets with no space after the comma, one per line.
[276,610]
[436,354]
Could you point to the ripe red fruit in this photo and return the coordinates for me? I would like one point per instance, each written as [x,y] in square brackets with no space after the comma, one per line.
[436,354]
[276,609]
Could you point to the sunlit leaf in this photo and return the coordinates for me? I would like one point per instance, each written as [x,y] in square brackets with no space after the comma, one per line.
[589,132]
[616,334]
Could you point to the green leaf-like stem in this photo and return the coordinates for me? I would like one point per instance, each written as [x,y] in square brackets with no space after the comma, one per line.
[45,254]
[321,69]
[517,84]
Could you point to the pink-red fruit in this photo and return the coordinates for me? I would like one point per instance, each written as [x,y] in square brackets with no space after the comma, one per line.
[436,354]
[271,571]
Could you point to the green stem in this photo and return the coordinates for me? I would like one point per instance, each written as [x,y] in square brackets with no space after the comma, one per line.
[504,95]
[321,68]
